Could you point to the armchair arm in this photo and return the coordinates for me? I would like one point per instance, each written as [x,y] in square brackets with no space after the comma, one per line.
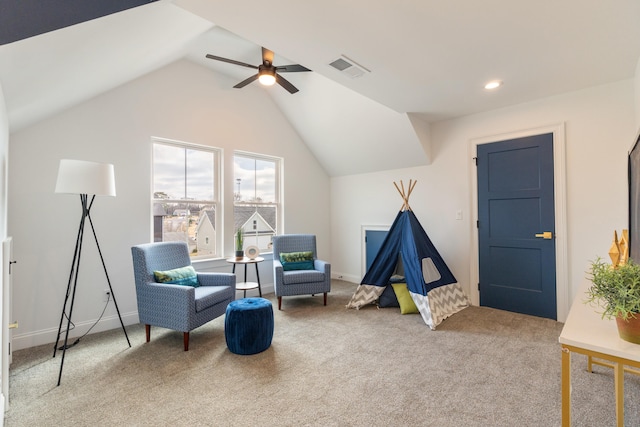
[160,303]
[173,306]
[323,266]
[277,271]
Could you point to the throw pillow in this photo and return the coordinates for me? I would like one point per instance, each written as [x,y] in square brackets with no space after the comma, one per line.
[296,260]
[388,298]
[407,306]
[185,276]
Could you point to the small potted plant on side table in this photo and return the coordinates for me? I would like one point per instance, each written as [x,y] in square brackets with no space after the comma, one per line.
[239,238]
[616,289]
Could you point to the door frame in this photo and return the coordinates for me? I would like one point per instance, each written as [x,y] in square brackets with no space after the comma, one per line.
[5,319]
[560,200]
[363,243]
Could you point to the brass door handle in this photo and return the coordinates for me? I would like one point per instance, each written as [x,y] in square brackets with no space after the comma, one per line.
[545,235]
[13,325]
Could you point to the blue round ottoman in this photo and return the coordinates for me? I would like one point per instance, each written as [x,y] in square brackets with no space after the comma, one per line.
[248,325]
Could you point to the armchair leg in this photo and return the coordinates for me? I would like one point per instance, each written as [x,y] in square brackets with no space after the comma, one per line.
[147,329]
[186,341]
[279,303]
[325,298]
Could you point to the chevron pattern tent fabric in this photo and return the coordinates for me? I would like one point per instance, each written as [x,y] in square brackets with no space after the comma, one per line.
[446,301]
[365,294]
[422,302]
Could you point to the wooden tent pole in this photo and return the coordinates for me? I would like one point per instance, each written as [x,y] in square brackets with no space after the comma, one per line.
[411,187]
[398,188]
[405,195]
[401,195]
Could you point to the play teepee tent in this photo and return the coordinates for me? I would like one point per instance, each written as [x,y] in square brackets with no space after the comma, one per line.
[431,284]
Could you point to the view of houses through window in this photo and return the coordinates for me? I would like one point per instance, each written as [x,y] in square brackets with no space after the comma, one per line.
[185,199]
[185,196]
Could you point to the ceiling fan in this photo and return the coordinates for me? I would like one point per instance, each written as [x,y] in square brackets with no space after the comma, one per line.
[268,73]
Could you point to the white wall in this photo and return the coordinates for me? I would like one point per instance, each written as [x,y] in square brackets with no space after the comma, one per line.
[4,153]
[4,160]
[599,124]
[182,101]
[637,93]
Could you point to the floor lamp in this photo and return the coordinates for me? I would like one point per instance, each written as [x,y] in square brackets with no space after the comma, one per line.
[88,179]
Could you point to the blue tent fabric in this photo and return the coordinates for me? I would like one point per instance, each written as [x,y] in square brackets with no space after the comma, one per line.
[407,238]
[435,291]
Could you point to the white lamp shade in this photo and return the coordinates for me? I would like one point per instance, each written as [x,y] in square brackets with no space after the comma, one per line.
[82,177]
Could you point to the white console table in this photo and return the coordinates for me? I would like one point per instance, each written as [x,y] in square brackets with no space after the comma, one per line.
[585,332]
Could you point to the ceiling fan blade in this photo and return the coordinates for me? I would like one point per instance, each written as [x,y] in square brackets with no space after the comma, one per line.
[267,56]
[285,84]
[231,61]
[293,68]
[246,81]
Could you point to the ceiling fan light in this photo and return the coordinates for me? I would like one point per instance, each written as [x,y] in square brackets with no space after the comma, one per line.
[494,84]
[267,78]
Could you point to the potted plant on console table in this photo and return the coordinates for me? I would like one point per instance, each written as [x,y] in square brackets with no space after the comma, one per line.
[616,289]
[239,243]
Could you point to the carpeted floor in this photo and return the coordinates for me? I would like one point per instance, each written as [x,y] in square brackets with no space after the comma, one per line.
[327,366]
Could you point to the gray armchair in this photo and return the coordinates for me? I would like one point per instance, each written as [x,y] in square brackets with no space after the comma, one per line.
[299,282]
[178,307]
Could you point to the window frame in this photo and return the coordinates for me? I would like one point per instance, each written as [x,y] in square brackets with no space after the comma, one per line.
[278,203]
[217,191]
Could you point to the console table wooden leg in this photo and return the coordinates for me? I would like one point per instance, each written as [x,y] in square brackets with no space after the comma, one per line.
[245,279]
[566,387]
[258,278]
[618,372]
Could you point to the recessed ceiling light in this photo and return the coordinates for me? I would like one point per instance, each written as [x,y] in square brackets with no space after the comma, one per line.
[494,84]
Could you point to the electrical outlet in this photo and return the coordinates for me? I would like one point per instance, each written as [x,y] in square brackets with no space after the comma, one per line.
[106,295]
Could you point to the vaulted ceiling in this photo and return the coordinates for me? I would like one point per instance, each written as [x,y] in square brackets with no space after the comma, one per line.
[426,60]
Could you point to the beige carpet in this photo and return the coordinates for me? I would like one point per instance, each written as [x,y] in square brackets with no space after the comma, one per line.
[327,366]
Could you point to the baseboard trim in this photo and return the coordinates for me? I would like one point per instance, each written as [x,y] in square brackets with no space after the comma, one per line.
[48,336]
[346,277]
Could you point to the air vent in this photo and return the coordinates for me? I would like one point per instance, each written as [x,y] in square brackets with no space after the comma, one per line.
[349,67]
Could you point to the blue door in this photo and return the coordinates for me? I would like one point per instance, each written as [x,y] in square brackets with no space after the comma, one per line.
[373,241]
[516,225]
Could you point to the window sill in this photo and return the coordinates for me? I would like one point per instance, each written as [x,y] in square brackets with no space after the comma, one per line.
[220,264]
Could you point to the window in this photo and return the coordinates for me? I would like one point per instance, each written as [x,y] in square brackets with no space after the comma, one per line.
[256,198]
[185,196]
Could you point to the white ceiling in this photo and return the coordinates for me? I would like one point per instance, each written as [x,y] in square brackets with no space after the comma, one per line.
[429,58]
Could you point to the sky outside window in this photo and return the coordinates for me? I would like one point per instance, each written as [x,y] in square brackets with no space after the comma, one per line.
[255,179]
[183,173]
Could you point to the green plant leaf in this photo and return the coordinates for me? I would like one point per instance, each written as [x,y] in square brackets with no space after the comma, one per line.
[239,239]
[615,290]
